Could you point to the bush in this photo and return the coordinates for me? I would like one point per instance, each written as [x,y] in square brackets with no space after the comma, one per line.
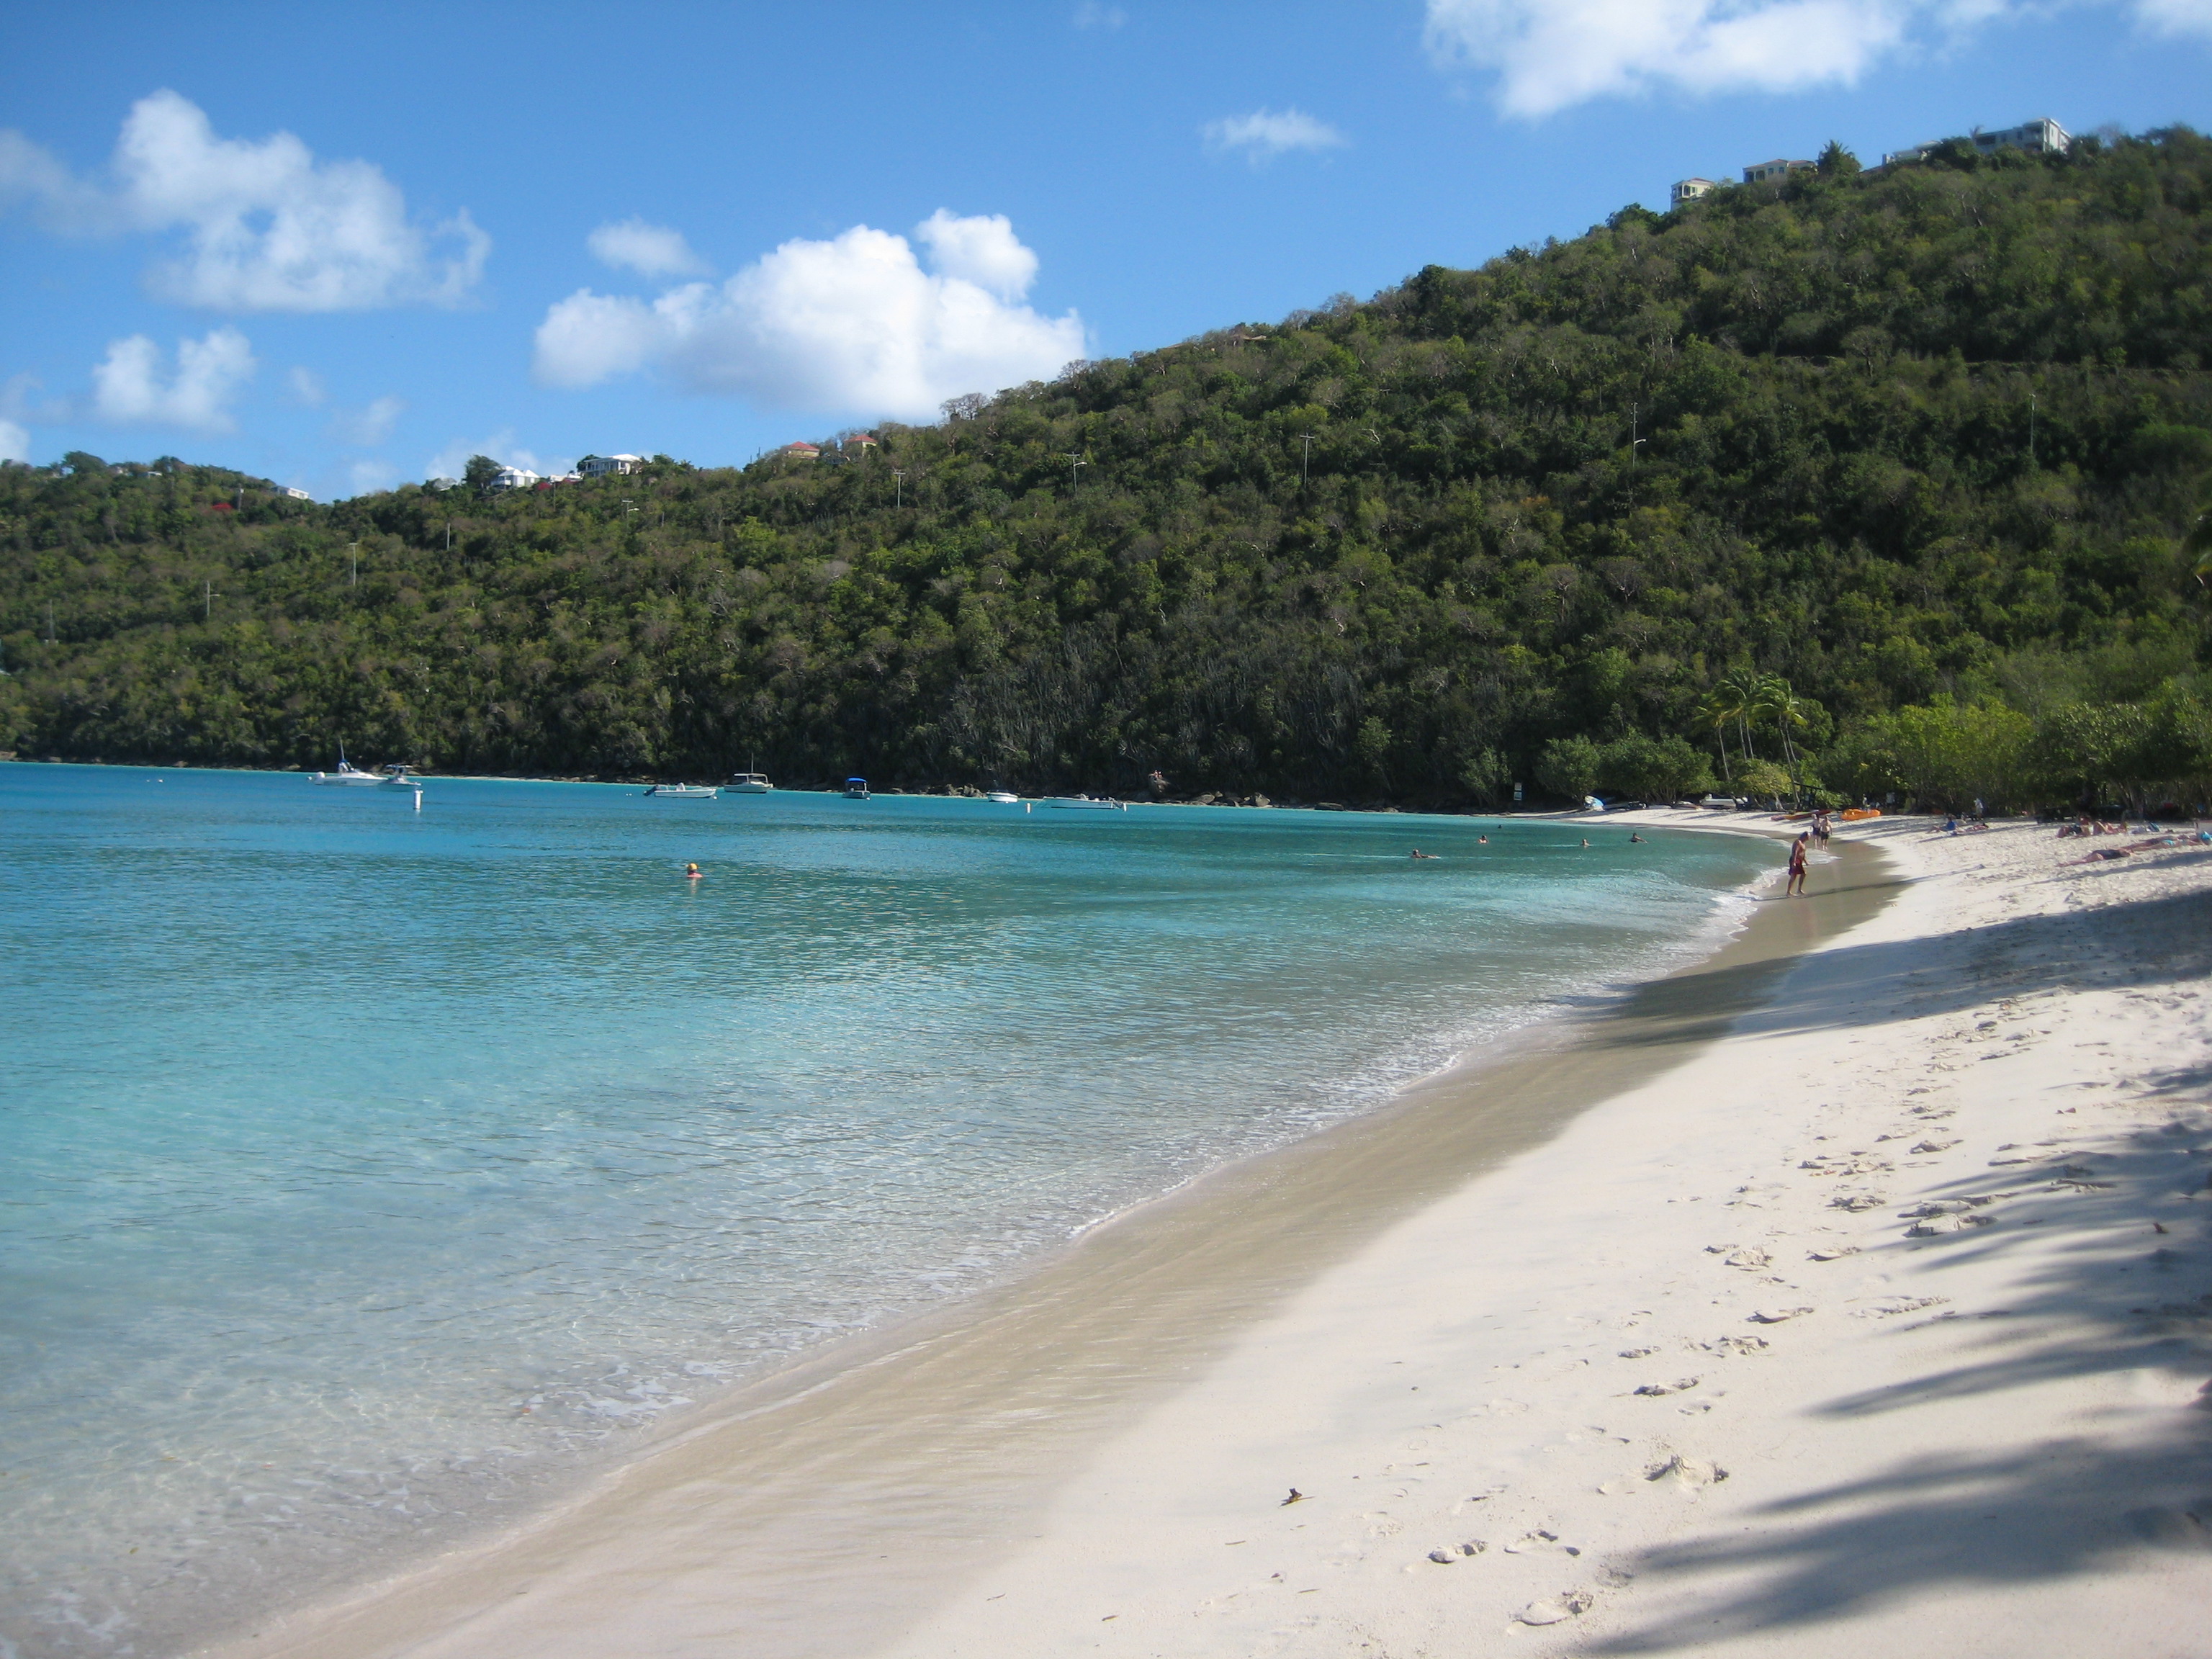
[1654,768]
[1569,767]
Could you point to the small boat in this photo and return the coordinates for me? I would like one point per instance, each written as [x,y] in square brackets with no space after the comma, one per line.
[1087,804]
[856,789]
[685,791]
[387,777]
[748,783]
[1004,797]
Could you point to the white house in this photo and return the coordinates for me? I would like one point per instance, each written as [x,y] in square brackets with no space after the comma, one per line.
[296,494]
[514,477]
[1763,173]
[1688,190]
[2041,137]
[599,466]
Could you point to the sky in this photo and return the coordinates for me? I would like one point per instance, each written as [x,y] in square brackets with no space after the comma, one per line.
[347,247]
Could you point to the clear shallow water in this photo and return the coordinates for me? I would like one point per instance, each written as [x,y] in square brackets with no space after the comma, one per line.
[360,1171]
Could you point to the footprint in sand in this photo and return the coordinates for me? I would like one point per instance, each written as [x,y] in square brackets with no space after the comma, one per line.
[1556,1609]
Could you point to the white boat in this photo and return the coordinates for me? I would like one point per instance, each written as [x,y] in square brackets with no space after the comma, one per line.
[748,783]
[856,789]
[685,791]
[387,777]
[1086,803]
[1004,797]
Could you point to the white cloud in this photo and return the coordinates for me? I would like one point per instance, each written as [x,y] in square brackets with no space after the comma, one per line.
[267,227]
[1549,54]
[368,476]
[982,250]
[1265,134]
[852,324]
[648,250]
[2175,17]
[1092,15]
[453,460]
[132,388]
[14,442]
[365,429]
[305,386]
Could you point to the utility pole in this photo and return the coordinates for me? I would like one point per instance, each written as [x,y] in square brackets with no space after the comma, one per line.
[1635,412]
[50,622]
[898,488]
[2031,431]
[353,564]
[207,601]
[1305,460]
[1074,461]
[449,535]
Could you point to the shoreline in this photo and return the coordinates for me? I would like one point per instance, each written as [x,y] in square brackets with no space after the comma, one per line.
[980,1407]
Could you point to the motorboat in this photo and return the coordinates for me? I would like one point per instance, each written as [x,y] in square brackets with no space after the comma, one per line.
[1004,797]
[396,776]
[856,789]
[1086,803]
[748,783]
[685,791]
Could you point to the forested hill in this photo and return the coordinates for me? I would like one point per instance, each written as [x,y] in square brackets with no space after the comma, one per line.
[1897,439]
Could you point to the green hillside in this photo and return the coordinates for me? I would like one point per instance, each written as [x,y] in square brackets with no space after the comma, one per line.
[1927,444]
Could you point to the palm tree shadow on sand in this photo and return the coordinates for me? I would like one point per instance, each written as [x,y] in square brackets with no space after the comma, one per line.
[2109,1300]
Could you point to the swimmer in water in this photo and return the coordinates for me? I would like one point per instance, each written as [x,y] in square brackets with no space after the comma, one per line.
[1634,838]
[693,873]
[1482,841]
[1585,841]
[1419,853]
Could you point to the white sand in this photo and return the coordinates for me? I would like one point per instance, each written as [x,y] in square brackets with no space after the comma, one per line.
[1967,1442]
[1993,1440]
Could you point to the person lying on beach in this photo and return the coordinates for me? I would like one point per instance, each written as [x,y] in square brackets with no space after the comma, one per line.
[2098,856]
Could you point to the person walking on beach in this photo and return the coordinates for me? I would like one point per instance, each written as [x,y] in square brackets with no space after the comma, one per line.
[1798,850]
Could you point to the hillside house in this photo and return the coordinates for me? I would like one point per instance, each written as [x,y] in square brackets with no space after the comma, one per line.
[513,478]
[601,466]
[1688,190]
[2041,137]
[1773,173]
[861,441]
[801,451]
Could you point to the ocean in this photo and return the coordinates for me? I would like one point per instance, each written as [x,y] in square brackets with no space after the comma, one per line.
[367,1174]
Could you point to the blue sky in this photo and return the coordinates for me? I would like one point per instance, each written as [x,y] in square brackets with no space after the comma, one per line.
[345,248]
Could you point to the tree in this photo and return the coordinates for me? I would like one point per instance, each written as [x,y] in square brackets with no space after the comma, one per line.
[481,473]
[1569,768]
[1837,162]
[1717,712]
[1774,700]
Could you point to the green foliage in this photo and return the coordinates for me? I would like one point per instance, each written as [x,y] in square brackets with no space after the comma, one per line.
[1831,491]
[1569,767]
[1653,769]
[479,474]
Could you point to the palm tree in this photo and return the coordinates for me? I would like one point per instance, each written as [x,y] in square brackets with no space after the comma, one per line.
[1739,688]
[1777,702]
[1718,710]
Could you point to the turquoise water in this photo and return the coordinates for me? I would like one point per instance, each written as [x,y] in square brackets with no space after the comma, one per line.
[363,1171]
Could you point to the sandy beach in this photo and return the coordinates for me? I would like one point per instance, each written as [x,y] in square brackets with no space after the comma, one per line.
[1883,1323]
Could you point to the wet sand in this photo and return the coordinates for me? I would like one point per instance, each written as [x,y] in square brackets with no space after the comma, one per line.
[827,1508]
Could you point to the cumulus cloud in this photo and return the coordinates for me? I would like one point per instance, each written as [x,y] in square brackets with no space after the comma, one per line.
[134,387]
[453,460]
[852,324]
[1549,54]
[648,250]
[367,477]
[265,226]
[1265,134]
[305,387]
[2175,17]
[365,429]
[14,442]
[1092,15]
